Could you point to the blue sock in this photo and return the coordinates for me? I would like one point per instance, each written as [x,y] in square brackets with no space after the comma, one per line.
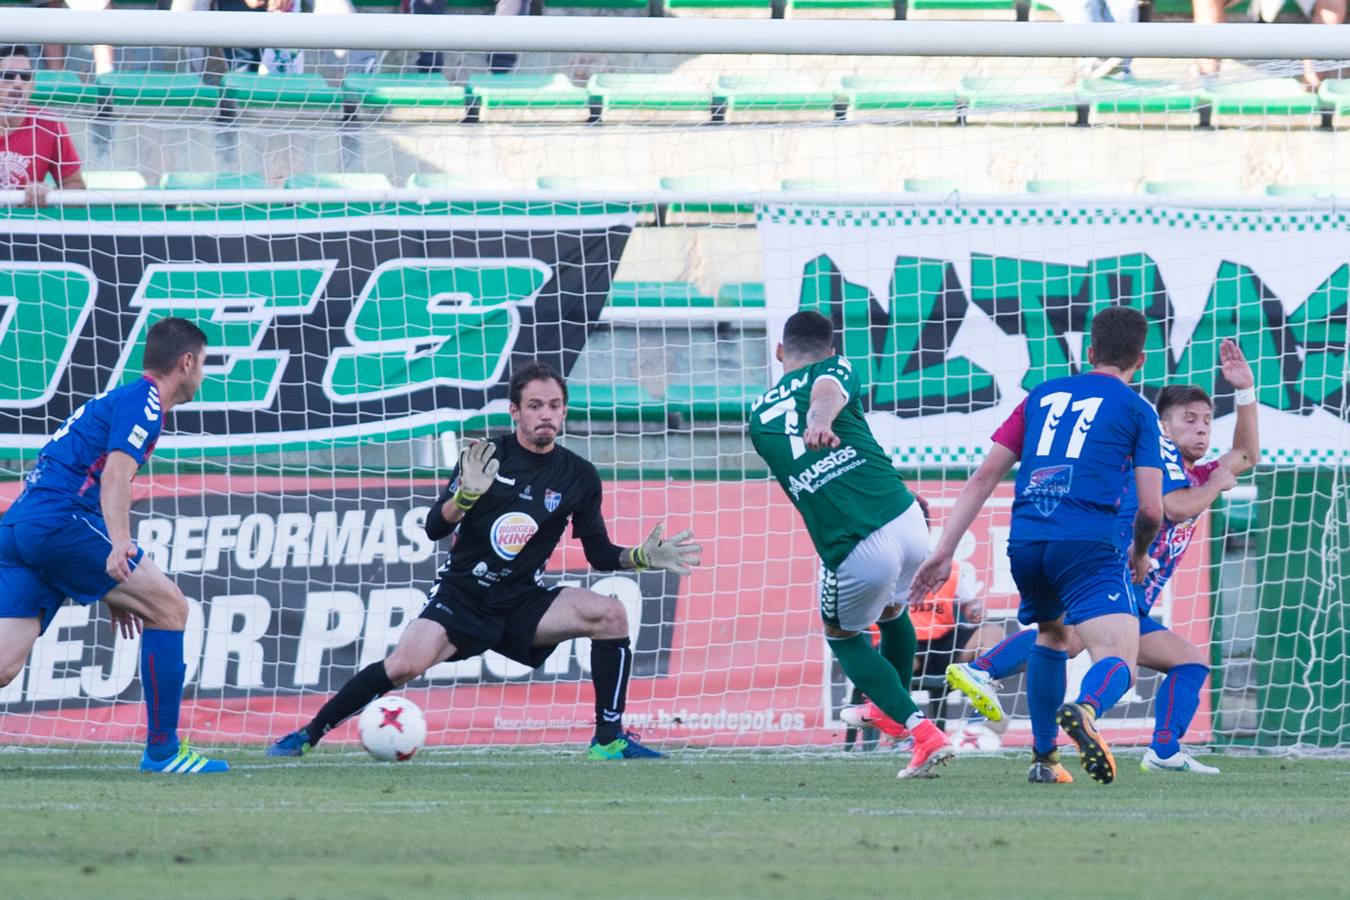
[1008,656]
[162,672]
[1174,707]
[1047,679]
[1105,683]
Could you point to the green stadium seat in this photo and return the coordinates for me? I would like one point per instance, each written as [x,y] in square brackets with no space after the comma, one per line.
[608,5]
[827,184]
[621,402]
[771,93]
[695,185]
[211,181]
[527,91]
[61,87]
[1016,95]
[443,181]
[1109,96]
[291,91]
[840,5]
[427,90]
[158,89]
[1335,95]
[714,402]
[1192,189]
[1069,186]
[658,295]
[646,93]
[1307,191]
[925,185]
[1263,97]
[742,295]
[346,180]
[114,180]
[765,5]
[962,6]
[892,94]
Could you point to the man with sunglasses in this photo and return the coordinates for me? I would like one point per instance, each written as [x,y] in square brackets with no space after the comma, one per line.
[31,148]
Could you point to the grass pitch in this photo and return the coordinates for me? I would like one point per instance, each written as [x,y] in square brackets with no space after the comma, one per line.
[535,824]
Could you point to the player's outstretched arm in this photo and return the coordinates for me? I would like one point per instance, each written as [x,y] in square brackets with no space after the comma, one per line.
[1147,520]
[1187,503]
[676,553]
[115,503]
[937,568]
[827,400]
[1246,452]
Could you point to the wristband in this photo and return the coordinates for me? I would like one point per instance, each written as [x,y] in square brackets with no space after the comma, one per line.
[464,501]
[1244,396]
[638,559]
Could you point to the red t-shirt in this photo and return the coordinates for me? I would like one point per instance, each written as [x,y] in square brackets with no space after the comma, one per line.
[38,146]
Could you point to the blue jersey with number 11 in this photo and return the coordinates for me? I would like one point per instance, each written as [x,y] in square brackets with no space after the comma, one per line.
[1079,439]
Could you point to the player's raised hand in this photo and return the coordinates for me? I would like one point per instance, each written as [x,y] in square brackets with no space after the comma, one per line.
[1234,366]
[477,468]
[819,436]
[128,623]
[674,554]
[935,570]
[117,566]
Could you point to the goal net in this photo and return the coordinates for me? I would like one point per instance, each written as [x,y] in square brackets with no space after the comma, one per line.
[372,238]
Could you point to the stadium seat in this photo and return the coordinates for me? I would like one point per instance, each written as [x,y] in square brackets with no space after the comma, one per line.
[427,90]
[525,91]
[646,93]
[1192,189]
[772,94]
[621,402]
[710,186]
[295,92]
[1109,96]
[443,181]
[211,181]
[894,94]
[156,89]
[583,189]
[1335,96]
[949,186]
[607,5]
[963,6]
[717,402]
[826,185]
[741,294]
[1070,186]
[1263,97]
[1307,191]
[764,5]
[657,295]
[348,180]
[845,5]
[1014,96]
[114,180]
[52,87]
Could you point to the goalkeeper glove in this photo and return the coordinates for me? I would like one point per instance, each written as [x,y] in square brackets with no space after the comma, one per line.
[674,554]
[477,468]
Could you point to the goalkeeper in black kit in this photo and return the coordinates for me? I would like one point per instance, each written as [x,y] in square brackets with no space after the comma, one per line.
[507,503]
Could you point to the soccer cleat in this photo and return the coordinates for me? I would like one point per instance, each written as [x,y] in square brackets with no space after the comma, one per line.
[185,762]
[1079,722]
[931,749]
[1047,769]
[869,715]
[627,746]
[1181,761]
[979,688]
[294,744]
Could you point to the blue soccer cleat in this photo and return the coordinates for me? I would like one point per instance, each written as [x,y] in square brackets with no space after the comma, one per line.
[294,744]
[185,762]
[626,746]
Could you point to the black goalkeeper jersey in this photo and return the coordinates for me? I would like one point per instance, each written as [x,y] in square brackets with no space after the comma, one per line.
[505,540]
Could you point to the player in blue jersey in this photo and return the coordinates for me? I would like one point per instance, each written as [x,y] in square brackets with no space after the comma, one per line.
[1079,438]
[1186,413]
[69,535]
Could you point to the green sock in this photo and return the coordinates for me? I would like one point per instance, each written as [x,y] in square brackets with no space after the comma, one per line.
[898,644]
[874,676]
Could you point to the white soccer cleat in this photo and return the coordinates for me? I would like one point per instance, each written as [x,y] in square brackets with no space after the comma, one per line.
[1181,761]
[979,688]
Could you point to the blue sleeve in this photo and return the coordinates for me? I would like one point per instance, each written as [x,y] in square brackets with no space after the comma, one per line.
[1174,475]
[136,423]
[1148,438]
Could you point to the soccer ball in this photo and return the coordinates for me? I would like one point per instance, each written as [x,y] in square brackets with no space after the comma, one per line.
[975,737]
[392,729]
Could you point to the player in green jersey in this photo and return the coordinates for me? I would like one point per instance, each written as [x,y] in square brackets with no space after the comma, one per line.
[866,526]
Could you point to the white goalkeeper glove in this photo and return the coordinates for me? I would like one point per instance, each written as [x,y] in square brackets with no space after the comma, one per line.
[477,468]
[674,554]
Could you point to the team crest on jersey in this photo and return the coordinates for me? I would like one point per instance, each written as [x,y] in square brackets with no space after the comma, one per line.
[511,532]
[1048,486]
[551,499]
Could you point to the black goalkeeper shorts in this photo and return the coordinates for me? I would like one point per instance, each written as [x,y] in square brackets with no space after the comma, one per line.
[507,626]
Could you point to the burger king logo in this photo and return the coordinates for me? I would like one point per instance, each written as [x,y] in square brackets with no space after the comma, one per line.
[511,532]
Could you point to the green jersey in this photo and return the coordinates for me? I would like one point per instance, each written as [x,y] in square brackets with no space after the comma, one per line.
[843,494]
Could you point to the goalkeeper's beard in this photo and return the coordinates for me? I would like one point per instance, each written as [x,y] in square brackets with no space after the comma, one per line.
[543,436]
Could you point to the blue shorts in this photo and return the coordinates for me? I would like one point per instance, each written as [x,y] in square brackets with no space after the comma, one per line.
[1078,580]
[1148,624]
[44,561]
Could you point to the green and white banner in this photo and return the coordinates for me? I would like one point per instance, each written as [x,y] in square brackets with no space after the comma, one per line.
[326,324]
[952,313]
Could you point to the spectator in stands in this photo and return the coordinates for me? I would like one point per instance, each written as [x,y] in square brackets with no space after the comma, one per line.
[433,60]
[1079,11]
[31,148]
[1321,12]
[54,55]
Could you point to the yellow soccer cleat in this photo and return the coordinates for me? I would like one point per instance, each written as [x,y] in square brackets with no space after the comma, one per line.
[979,688]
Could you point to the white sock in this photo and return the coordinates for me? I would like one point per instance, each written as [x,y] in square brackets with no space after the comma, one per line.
[914,719]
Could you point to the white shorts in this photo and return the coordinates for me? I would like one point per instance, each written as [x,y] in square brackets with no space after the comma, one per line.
[876,574]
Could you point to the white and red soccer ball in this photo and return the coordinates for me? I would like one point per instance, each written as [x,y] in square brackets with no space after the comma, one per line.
[392,729]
